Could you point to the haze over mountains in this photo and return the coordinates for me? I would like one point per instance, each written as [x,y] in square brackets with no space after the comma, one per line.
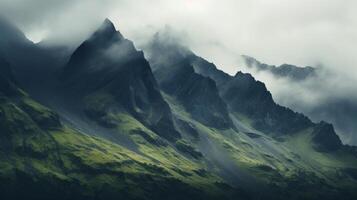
[317,92]
[108,121]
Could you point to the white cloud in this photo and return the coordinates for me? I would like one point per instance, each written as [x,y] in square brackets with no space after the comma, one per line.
[303,32]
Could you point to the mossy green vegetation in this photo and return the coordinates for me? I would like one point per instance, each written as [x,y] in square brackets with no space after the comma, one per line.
[46,159]
[289,164]
[185,147]
[58,162]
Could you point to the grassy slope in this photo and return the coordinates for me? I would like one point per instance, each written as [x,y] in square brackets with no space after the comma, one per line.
[288,164]
[44,159]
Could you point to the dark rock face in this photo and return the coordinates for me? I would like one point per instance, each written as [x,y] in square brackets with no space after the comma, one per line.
[33,66]
[7,87]
[208,69]
[198,94]
[325,137]
[285,70]
[176,77]
[173,64]
[11,36]
[108,63]
[17,112]
[5,70]
[15,48]
[245,95]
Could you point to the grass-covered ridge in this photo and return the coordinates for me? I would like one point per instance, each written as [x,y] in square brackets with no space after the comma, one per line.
[45,159]
[289,164]
[41,151]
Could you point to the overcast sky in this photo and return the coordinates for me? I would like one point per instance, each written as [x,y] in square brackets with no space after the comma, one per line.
[303,32]
[300,32]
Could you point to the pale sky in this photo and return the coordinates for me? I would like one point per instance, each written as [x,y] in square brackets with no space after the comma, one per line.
[302,32]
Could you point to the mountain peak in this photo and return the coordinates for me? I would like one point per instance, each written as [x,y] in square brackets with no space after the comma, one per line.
[325,137]
[108,25]
[285,70]
[106,31]
[247,76]
[10,33]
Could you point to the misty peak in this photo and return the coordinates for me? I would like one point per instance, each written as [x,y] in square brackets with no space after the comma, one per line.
[9,32]
[107,25]
[240,74]
[106,31]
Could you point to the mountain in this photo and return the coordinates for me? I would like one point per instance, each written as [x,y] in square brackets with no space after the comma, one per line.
[285,70]
[45,159]
[7,79]
[11,36]
[250,98]
[112,77]
[108,124]
[198,94]
[339,110]
[250,105]
[241,93]
[44,156]
[326,138]
[32,64]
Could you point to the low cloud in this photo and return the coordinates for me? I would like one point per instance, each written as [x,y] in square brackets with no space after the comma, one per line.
[65,21]
[328,96]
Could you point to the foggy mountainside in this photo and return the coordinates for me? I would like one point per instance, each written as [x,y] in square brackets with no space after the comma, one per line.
[102,119]
[339,109]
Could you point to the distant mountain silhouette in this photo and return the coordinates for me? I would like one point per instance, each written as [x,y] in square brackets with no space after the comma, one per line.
[285,70]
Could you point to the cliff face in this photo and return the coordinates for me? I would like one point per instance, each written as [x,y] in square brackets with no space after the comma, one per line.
[176,76]
[247,96]
[108,64]
[325,137]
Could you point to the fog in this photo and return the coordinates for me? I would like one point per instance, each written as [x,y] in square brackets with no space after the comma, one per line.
[301,32]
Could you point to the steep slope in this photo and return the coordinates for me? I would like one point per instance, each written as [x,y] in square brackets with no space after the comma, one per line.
[289,168]
[32,64]
[250,101]
[341,112]
[263,152]
[6,79]
[249,97]
[197,93]
[108,66]
[325,137]
[338,110]
[55,162]
[12,41]
[43,159]
[242,93]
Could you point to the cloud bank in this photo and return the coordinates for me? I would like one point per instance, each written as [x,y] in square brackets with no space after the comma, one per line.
[303,32]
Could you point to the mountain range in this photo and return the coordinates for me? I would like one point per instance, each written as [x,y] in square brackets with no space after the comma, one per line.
[340,110]
[285,70]
[109,121]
